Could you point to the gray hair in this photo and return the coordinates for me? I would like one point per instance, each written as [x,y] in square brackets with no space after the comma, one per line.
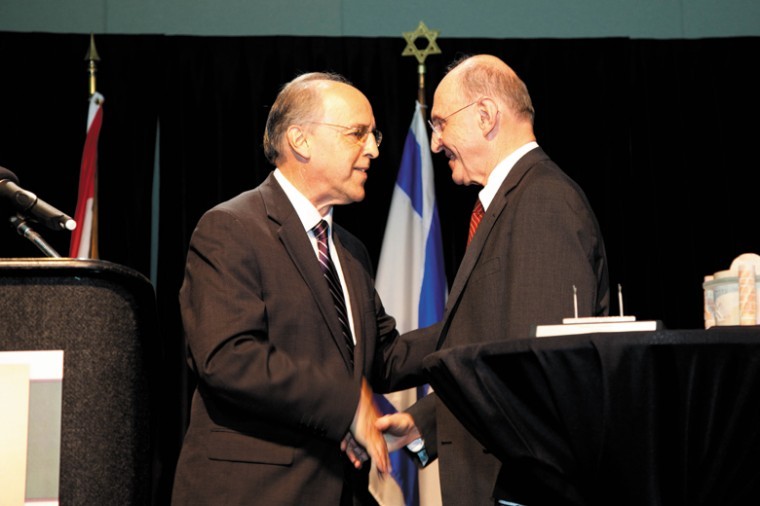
[297,102]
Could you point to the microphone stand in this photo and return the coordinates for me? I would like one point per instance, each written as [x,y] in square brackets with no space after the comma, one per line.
[19,223]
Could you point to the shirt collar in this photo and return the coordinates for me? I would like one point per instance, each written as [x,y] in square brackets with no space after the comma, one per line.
[500,172]
[306,211]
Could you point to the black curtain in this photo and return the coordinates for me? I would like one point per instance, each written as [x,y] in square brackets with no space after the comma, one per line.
[657,132]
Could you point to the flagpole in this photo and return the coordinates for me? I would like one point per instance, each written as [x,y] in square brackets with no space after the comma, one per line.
[92,67]
[92,58]
[84,240]
[411,49]
[421,89]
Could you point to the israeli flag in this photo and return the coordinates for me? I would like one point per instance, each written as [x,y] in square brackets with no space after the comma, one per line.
[411,278]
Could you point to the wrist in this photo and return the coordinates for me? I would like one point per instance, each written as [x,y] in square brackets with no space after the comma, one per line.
[417,447]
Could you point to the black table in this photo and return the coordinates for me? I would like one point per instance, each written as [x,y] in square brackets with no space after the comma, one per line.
[670,417]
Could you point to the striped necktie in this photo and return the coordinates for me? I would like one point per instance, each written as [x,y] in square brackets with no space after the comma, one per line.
[477,215]
[333,283]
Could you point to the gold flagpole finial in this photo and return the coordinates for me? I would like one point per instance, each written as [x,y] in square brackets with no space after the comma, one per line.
[411,49]
[92,57]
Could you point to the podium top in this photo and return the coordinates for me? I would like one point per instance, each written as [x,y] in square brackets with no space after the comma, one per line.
[67,266]
[82,269]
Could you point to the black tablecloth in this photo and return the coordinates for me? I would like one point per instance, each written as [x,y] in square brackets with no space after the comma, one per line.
[670,417]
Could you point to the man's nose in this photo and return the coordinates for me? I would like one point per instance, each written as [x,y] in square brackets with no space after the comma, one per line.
[435,142]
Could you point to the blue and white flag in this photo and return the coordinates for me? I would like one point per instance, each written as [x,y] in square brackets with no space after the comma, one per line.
[411,280]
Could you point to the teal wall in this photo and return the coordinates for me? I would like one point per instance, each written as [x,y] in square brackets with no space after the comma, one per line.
[659,19]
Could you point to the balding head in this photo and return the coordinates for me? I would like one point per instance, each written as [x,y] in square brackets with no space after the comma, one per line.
[298,101]
[487,75]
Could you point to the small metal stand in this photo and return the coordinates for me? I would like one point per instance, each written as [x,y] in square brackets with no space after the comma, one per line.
[22,227]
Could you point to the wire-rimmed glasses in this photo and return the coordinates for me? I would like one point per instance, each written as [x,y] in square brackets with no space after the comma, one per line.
[360,132]
[437,125]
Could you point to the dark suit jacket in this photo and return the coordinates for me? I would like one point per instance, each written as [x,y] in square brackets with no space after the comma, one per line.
[537,239]
[275,393]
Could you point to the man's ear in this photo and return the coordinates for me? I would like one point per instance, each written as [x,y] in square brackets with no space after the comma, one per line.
[297,142]
[488,116]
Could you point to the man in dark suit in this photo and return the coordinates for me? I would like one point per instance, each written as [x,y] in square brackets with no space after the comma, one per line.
[536,240]
[284,329]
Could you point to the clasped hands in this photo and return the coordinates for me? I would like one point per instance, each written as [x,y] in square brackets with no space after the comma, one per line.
[372,436]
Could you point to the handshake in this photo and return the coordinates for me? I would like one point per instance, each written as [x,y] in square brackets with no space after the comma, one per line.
[372,436]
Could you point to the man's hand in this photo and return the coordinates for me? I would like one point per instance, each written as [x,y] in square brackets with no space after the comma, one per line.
[356,454]
[366,434]
[398,429]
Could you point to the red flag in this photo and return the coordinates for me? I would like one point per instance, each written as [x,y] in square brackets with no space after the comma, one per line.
[84,237]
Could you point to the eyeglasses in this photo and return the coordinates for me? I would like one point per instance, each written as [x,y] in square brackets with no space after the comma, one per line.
[360,133]
[437,125]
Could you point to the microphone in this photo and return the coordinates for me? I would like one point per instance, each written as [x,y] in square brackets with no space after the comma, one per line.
[29,205]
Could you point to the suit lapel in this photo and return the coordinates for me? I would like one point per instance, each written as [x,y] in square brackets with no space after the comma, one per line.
[296,241]
[350,269]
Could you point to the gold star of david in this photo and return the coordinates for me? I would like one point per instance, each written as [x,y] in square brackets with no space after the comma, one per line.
[412,49]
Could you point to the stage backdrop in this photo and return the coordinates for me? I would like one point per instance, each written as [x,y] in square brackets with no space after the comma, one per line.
[661,134]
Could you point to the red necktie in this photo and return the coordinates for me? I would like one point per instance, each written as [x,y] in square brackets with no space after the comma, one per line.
[477,215]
